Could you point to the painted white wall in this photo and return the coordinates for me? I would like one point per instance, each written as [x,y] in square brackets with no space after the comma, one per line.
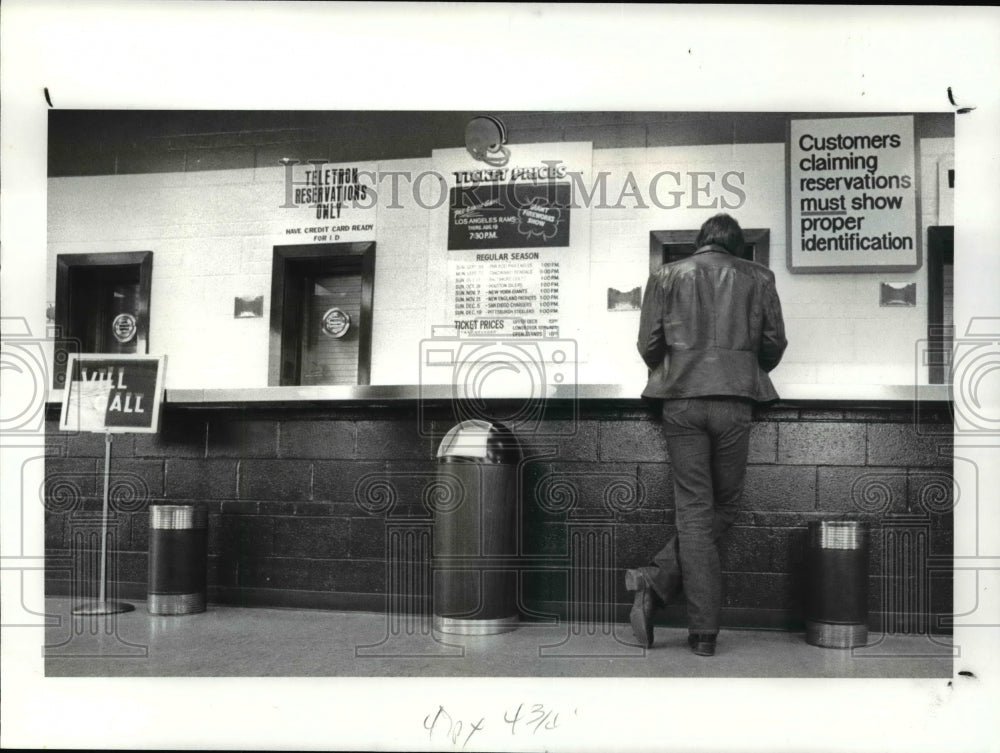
[404,282]
[212,236]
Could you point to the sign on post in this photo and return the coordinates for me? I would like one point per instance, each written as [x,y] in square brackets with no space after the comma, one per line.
[113,393]
[852,195]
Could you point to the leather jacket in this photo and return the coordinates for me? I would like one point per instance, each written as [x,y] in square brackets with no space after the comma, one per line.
[711,326]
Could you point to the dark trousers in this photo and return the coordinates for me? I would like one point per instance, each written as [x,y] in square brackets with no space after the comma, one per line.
[707,440]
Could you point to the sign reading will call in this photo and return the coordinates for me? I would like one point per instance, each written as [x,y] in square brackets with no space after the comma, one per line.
[115,394]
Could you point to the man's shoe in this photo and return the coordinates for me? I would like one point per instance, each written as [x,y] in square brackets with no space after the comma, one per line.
[703,644]
[641,616]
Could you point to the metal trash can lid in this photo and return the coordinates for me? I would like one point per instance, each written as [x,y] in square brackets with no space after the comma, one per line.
[481,441]
[177,517]
[838,534]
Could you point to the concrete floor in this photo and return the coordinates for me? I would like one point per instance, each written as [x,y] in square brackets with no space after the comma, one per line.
[238,642]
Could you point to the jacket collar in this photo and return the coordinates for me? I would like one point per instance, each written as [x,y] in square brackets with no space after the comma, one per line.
[711,247]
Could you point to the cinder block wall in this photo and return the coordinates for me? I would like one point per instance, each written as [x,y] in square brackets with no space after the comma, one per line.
[302,502]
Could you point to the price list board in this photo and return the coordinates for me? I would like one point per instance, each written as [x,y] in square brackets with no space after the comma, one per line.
[510,249]
[507,294]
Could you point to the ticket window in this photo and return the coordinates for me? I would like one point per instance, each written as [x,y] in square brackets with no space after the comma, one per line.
[666,246]
[102,305]
[321,314]
[940,302]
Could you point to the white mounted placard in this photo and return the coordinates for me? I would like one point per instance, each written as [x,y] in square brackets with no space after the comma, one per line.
[852,195]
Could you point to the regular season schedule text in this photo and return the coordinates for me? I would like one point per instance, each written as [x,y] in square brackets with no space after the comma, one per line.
[511,293]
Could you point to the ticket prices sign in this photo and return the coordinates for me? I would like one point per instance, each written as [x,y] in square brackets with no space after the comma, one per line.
[852,195]
[513,243]
[113,393]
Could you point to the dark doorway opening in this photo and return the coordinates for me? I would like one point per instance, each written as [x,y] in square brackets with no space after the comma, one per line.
[321,314]
[102,305]
[940,302]
[666,246]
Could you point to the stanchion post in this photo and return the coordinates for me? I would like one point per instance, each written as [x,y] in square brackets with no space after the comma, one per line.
[102,605]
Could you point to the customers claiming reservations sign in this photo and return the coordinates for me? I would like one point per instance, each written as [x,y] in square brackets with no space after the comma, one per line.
[852,195]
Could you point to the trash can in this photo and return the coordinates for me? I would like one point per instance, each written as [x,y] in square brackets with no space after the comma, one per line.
[837,592]
[178,559]
[475,541]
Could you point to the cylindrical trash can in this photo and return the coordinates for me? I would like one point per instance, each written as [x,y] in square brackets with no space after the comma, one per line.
[475,541]
[178,559]
[837,595]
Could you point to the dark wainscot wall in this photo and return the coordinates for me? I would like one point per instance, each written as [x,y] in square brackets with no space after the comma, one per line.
[305,501]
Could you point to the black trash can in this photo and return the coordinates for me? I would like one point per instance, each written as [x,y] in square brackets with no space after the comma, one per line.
[178,559]
[837,591]
[475,530]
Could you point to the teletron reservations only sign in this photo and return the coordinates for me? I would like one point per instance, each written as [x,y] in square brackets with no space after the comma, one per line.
[111,393]
[852,193]
[326,202]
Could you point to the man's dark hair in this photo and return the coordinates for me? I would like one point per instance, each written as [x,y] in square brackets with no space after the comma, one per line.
[724,231]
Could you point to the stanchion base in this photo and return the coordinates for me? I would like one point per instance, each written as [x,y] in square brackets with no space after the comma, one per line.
[830,635]
[103,607]
[453,626]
